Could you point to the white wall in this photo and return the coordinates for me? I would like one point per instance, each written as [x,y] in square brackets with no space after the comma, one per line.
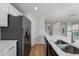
[56,29]
[33,19]
[40,30]
[37,28]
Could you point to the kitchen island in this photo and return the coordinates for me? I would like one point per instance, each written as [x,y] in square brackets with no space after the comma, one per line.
[52,41]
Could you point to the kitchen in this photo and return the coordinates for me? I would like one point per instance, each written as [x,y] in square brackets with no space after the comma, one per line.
[23,26]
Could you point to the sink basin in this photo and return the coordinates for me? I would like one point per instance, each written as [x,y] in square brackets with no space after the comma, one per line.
[60,42]
[62,46]
[67,47]
[71,49]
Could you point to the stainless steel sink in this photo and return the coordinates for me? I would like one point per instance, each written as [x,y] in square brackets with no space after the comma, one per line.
[71,49]
[60,42]
[67,47]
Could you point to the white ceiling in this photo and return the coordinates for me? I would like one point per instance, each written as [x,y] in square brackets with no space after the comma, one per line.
[53,12]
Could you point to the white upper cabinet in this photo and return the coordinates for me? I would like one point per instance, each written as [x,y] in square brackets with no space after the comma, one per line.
[13,11]
[3,14]
[5,9]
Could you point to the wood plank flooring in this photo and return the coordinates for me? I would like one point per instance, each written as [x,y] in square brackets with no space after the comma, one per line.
[38,50]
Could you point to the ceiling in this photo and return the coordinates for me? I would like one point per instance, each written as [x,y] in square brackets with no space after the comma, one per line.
[52,12]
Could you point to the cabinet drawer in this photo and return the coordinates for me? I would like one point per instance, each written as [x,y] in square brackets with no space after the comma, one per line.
[9,50]
[12,53]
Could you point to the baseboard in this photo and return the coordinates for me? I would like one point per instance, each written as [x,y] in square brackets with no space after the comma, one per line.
[38,43]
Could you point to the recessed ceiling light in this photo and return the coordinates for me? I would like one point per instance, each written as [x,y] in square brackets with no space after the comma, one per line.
[36,8]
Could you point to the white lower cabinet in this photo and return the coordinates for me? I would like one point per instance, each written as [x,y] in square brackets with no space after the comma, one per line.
[9,51]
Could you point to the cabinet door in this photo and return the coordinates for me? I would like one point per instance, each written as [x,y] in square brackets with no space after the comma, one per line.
[3,14]
[10,50]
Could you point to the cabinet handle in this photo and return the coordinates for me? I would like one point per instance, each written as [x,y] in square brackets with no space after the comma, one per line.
[11,48]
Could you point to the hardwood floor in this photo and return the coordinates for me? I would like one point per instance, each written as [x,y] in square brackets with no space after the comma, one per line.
[27,48]
[38,50]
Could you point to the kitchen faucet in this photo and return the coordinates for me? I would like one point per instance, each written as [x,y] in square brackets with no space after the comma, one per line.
[72,41]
